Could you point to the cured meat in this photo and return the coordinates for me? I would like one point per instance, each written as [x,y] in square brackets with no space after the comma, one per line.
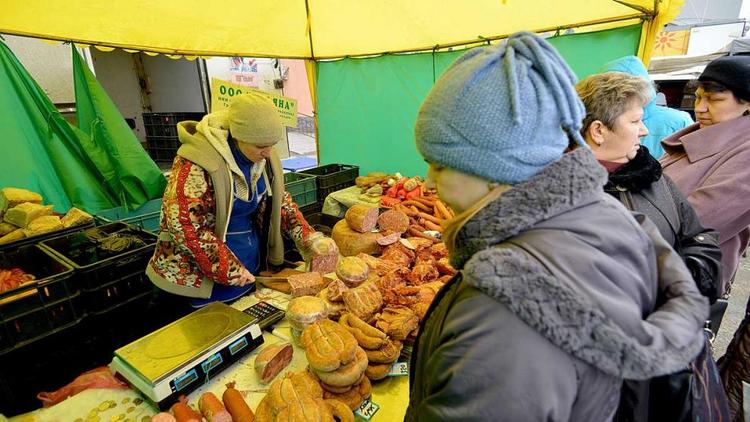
[272,360]
[388,238]
[13,278]
[394,221]
[393,279]
[444,266]
[363,301]
[439,251]
[399,254]
[324,264]
[362,218]
[336,288]
[397,322]
[213,409]
[377,265]
[422,273]
[351,242]
[306,284]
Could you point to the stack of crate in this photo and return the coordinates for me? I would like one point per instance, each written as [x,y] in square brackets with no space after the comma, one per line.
[161,133]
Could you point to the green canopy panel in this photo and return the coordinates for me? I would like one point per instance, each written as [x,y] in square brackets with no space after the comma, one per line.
[367,107]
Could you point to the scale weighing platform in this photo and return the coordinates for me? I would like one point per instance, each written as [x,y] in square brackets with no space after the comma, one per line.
[180,357]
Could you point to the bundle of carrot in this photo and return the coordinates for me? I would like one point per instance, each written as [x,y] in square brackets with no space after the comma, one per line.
[426,213]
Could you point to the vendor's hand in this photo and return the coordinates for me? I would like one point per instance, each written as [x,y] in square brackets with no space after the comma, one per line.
[245,278]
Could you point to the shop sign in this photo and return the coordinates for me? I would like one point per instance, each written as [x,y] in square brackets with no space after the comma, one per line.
[223,91]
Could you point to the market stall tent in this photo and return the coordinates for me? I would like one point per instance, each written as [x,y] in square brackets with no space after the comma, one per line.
[353,96]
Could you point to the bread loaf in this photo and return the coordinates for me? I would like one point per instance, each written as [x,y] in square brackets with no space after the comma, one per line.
[76,217]
[305,310]
[354,396]
[352,271]
[364,301]
[397,322]
[328,345]
[44,224]
[351,242]
[10,197]
[23,214]
[346,375]
[362,218]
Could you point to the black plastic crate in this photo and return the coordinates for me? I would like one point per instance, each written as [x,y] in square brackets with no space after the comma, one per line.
[106,278]
[322,222]
[53,280]
[38,323]
[332,177]
[162,148]
[44,365]
[165,124]
[311,209]
[302,187]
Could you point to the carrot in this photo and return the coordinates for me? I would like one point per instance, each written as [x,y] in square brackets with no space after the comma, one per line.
[184,413]
[418,204]
[212,408]
[406,210]
[442,209]
[413,208]
[429,217]
[236,405]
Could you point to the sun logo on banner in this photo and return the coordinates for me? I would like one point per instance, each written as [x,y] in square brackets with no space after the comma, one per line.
[674,43]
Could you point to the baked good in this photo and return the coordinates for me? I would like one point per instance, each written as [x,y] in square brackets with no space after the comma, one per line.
[6,228]
[362,218]
[335,309]
[23,214]
[346,375]
[272,360]
[306,284]
[336,288]
[44,224]
[340,410]
[378,371]
[10,197]
[377,265]
[17,234]
[368,337]
[397,322]
[386,354]
[351,242]
[328,345]
[352,271]
[363,301]
[354,396]
[305,310]
[394,220]
[76,217]
[286,401]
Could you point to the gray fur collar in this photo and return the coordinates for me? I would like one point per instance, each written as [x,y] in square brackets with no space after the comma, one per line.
[573,180]
[568,319]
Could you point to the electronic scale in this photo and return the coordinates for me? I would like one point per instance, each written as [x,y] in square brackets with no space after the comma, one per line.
[182,356]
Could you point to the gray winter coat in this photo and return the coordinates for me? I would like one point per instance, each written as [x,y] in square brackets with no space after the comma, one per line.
[553,307]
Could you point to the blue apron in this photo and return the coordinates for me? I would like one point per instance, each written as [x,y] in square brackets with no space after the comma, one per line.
[242,236]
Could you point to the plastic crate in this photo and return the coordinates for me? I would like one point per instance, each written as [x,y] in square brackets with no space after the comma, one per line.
[322,222]
[106,278]
[165,124]
[296,164]
[162,148]
[333,177]
[34,309]
[146,216]
[44,365]
[311,209]
[302,187]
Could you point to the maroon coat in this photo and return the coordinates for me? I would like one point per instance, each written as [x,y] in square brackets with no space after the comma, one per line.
[711,166]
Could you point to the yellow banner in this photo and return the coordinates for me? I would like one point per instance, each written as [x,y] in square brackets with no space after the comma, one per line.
[673,43]
[223,91]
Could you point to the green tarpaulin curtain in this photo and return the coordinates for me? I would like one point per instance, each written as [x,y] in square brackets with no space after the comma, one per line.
[124,165]
[41,150]
[367,107]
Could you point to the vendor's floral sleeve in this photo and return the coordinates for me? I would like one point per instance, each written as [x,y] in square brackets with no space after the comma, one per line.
[188,217]
[293,223]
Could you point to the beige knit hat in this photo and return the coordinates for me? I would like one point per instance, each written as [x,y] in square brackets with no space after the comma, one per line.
[253,119]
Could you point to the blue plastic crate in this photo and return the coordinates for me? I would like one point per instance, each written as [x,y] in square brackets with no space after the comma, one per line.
[294,164]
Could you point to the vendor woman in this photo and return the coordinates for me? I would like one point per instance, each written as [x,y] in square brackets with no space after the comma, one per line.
[225,207]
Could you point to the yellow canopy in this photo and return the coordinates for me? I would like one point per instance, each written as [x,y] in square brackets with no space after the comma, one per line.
[312,29]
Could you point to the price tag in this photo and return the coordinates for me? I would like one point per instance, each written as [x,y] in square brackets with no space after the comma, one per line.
[367,410]
[399,369]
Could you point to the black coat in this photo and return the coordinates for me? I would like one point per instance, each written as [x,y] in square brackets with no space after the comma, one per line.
[641,186]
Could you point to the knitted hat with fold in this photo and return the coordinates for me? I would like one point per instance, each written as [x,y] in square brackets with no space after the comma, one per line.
[253,119]
[731,71]
[502,113]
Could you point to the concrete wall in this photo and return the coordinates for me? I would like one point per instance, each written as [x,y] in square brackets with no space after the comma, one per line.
[51,66]
[116,72]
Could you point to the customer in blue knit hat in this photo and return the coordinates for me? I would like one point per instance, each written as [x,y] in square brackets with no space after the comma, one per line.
[555,301]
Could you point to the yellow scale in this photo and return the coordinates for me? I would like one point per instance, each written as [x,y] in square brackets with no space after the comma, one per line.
[183,355]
